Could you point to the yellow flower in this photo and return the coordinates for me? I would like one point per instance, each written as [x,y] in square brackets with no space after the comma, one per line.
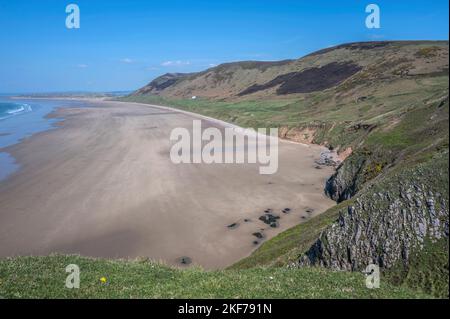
[103,280]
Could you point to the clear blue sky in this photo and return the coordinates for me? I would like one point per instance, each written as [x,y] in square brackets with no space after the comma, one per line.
[122,45]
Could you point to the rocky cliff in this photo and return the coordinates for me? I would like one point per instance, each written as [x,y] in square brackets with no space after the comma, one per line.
[398,215]
[347,180]
[388,221]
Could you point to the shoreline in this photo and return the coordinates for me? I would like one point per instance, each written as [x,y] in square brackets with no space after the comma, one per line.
[338,158]
[19,127]
[199,218]
[326,153]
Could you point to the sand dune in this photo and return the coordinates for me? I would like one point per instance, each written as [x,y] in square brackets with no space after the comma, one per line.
[103,185]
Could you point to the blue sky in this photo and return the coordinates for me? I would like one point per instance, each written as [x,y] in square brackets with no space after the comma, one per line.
[122,45]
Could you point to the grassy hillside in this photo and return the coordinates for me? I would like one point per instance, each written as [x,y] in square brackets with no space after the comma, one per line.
[44,277]
[393,80]
[323,118]
[349,66]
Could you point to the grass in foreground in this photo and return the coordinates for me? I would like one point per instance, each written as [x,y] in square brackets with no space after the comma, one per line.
[44,277]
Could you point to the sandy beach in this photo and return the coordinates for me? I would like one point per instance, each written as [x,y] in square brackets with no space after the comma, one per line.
[103,185]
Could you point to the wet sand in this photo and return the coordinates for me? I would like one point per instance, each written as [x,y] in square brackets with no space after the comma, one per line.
[103,185]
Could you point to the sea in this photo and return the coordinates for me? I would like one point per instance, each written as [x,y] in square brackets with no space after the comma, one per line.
[20,119]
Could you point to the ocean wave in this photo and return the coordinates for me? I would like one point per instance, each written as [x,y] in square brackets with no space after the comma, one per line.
[11,109]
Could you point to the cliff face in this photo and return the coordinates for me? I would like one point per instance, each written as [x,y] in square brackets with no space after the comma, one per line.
[347,180]
[389,221]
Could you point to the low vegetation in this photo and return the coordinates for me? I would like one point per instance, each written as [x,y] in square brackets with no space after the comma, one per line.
[45,277]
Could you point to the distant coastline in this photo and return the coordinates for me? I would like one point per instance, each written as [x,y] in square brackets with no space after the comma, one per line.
[69,95]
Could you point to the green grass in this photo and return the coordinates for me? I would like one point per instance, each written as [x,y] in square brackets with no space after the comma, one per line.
[415,130]
[44,277]
[252,114]
[428,271]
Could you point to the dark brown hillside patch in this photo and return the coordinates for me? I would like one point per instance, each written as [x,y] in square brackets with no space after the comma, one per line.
[164,85]
[310,80]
